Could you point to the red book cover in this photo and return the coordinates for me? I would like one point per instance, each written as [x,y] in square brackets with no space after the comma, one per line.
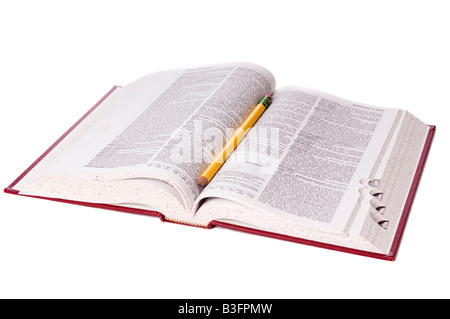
[390,256]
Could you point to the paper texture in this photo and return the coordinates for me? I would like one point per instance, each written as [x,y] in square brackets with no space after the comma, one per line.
[311,169]
[297,172]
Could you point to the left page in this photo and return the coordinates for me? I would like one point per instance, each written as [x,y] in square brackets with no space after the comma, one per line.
[163,127]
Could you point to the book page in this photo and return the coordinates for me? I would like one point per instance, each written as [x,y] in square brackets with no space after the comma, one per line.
[193,146]
[164,126]
[304,157]
[396,175]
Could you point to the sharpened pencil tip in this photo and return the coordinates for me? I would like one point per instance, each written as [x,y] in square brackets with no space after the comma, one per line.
[202,181]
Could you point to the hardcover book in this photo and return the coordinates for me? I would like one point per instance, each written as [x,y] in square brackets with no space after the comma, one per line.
[314,169]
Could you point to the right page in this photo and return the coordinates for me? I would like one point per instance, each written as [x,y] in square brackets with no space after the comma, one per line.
[304,159]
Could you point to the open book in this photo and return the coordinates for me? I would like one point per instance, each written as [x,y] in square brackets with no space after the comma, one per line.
[314,169]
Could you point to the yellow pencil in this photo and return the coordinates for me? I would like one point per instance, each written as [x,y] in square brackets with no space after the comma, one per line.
[231,145]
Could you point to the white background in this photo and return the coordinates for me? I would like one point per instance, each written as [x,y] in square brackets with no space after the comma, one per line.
[57,59]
